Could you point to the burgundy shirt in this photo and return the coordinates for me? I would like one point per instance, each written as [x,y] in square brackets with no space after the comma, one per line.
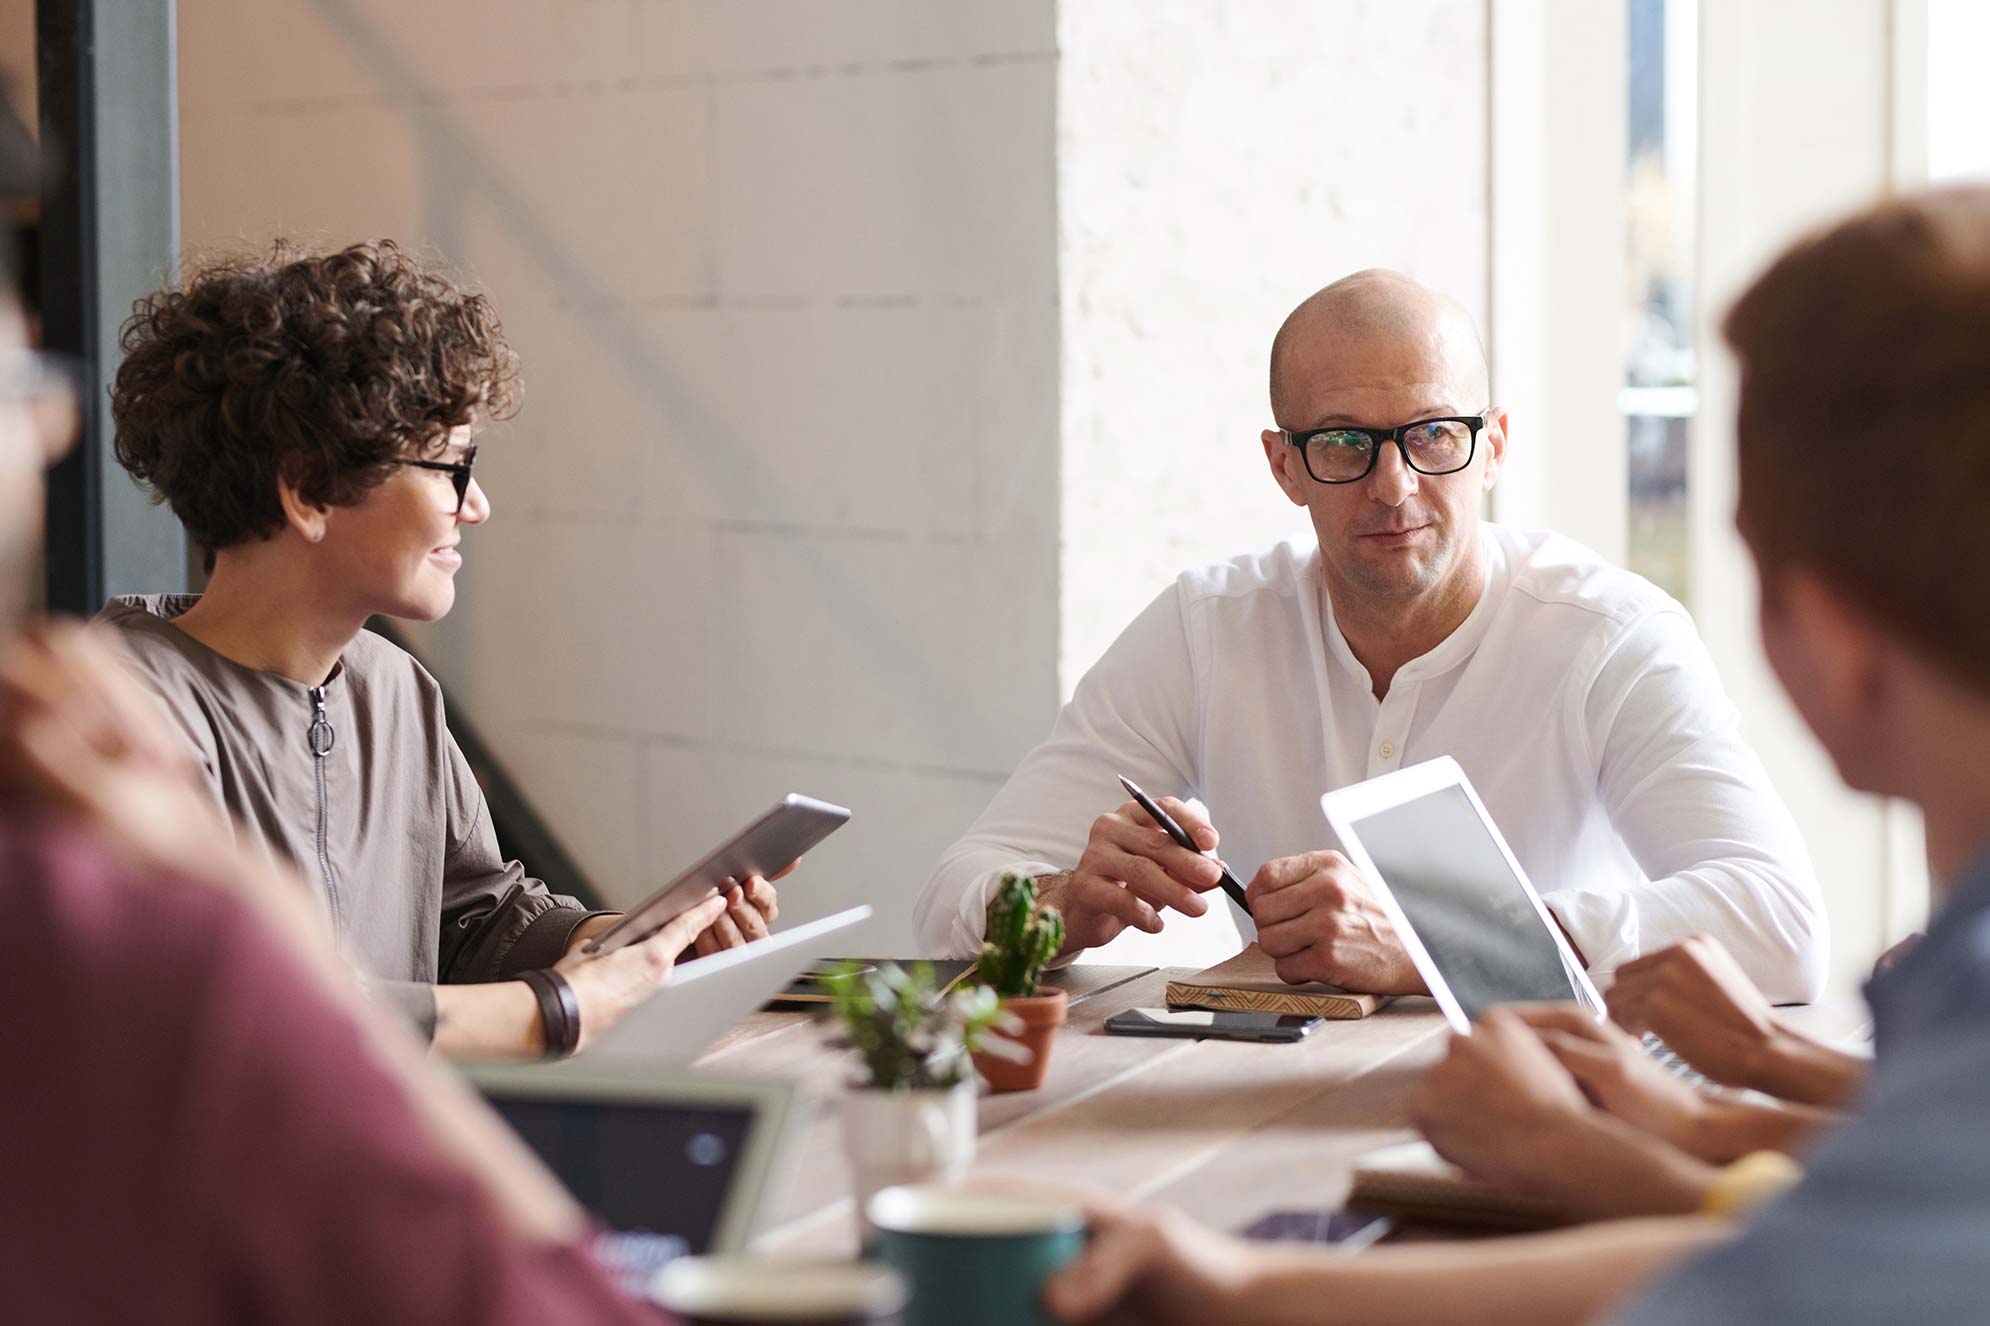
[188,1133]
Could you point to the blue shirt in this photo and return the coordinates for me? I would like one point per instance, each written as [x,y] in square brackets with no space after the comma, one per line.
[1892,1219]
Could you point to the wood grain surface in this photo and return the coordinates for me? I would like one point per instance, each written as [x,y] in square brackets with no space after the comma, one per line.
[1227,1130]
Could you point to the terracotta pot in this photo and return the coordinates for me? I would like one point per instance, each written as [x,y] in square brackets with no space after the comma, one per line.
[1041,1016]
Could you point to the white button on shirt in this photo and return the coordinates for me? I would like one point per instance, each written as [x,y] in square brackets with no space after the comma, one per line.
[1577,696]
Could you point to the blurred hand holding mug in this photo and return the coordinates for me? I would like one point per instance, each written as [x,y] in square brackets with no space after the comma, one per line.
[974,1257]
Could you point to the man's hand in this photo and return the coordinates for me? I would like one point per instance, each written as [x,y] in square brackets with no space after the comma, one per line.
[1618,1076]
[1319,921]
[1130,871]
[1697,1000]
[1152,1264]
[1499,1104]
[610,984]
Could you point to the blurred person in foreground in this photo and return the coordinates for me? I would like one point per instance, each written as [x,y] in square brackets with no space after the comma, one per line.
[1864,447]
[201,1121]
[311,419]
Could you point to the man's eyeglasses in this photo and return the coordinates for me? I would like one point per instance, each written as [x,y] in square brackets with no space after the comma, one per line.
[1345,454]
[458,471]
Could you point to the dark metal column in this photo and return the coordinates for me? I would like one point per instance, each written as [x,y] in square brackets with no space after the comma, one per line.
[110,231]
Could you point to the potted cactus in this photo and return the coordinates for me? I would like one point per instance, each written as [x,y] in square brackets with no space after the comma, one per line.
[1021,938]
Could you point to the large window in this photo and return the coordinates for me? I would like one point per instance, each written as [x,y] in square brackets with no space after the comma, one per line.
[1660,387]
[1958,93]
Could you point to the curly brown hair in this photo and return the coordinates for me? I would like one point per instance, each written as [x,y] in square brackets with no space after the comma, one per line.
[327,369]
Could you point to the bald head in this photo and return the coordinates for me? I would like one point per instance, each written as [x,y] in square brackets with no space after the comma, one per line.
[1371,330]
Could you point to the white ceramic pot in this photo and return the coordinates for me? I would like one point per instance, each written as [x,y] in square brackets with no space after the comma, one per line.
[896,1137]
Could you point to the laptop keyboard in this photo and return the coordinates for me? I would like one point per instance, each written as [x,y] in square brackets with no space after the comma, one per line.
[1663,1055]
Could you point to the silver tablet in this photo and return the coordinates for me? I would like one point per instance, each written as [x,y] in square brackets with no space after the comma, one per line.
[767,846]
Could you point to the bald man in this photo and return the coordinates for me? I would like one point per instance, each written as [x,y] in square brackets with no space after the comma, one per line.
[1576,696]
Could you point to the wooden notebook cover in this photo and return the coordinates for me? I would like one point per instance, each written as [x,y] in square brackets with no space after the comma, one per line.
[1411,1180]
[1248,984]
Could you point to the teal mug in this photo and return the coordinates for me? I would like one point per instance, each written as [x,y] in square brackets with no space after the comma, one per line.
[974,1258]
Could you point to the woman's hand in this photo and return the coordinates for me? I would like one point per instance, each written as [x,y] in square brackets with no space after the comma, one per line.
[608,985]
[750,909]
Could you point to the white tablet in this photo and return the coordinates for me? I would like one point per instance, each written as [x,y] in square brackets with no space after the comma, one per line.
[766,847]
[706,996]
[1470,918]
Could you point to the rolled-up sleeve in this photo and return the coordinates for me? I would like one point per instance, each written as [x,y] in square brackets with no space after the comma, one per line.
[497,921]
[1720,851]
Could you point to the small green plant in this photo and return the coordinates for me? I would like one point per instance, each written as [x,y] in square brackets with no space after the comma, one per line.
[909,1034]
[1021,938]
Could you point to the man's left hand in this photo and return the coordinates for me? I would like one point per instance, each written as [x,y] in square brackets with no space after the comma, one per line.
[1318,920]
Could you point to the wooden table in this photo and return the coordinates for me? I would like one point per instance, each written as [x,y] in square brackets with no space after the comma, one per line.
[1227,1130]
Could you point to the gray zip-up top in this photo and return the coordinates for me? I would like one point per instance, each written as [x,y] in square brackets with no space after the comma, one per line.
[359,787]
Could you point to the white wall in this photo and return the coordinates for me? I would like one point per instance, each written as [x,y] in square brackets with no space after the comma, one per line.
[780,512]
[1217,163]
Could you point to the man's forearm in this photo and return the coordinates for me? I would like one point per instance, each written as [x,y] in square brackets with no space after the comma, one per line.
[1571,1276]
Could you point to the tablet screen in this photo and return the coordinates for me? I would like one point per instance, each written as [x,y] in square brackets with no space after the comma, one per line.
[1465,903]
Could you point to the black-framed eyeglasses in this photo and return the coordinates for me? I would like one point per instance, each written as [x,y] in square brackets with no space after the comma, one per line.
[458,471]
[1346,454]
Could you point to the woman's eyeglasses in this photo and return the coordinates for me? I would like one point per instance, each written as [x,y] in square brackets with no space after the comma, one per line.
[458,471]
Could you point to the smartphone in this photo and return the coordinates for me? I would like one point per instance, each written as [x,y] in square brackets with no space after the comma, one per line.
[766,847]
[1349,1231]
[1213,1024]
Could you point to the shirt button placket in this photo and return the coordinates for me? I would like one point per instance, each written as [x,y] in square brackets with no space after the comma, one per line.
[1383,755]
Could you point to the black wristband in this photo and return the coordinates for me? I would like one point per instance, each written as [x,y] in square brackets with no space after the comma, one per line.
[559,1011]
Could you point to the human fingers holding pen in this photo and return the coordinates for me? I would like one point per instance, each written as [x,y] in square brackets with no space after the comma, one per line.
[1131,870]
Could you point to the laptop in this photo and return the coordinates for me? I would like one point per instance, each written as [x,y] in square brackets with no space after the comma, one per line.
[1470,918]
[706,996]
[669,1166]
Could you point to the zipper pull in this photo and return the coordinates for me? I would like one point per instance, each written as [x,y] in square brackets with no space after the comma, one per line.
[321,735]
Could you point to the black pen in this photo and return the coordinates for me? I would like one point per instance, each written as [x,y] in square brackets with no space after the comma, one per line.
[1180,835]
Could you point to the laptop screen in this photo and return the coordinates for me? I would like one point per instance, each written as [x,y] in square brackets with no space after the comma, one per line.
[653,1171]
[1465,903]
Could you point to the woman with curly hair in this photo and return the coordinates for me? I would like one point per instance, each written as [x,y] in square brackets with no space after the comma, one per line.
[310,419]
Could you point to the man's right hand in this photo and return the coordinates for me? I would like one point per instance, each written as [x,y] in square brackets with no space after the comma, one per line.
[1130,872]
[608,985]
